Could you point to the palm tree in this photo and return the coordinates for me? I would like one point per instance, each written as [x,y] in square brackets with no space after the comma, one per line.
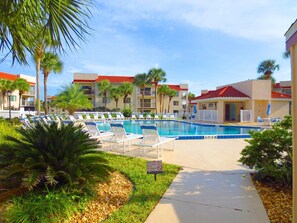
[5,86]
[22,85]
[126,89]
[65,20]
[162,92]
[266,68]
[72,98]
[104,86]
[157,75]
[170,93]
[116,94]
[50,62]
[141,81]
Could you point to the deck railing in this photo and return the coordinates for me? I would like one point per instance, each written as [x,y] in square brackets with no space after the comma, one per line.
[246,116]
[208,115]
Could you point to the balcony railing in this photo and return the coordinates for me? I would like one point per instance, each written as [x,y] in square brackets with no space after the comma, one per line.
[89,92]
[146,105]
[27,103]
[29,93]
[147,93]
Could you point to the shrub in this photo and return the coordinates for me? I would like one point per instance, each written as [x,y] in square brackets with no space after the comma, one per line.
[92,116]
[53,156]
[270,152]
[153,115]
[127,112]
[84,116]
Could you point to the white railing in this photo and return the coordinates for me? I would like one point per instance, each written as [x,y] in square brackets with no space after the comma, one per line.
[15,113]
[208,115]
[246,116]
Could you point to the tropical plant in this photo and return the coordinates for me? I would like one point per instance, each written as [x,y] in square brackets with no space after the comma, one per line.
[126,89]
[22,86]
[270,152]
[5,86]
[141,81]
[52,156]
[266,68]
[162,92]
[191,96]
[116,94]
[64,20]
[127,112]
[104,87]
[170,93]
[50,62]
[72,98]
[156,76]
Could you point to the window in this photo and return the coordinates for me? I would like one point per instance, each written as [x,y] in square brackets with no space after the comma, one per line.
[13,98]
[105,99]
[177,94]
[175,111]
[176,103]
[87,89]
[128,100]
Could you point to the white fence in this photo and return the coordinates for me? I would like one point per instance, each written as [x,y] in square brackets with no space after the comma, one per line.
[208,115]
[246,116]
[15,113]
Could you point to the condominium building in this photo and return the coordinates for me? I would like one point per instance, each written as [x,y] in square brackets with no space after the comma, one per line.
[27,98]
[89,83]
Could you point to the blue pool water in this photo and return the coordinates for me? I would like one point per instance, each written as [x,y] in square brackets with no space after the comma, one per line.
[182,129]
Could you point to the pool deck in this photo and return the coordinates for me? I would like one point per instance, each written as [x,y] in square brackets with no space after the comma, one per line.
[212,186]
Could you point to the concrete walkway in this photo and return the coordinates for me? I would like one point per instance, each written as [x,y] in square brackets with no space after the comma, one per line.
[212,187]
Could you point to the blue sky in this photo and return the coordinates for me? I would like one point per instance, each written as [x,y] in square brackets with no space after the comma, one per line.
[199,42]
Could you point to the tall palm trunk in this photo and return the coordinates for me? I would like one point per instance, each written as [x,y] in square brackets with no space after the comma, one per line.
[20,99]
[160,97]
[45,92]
[156,107]
[3,99]
[38,83]
[117,101]
[169,104]
[142,100]
[105,102]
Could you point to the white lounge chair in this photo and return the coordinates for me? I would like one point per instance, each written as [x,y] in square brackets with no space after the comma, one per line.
[148,116]
[80,117]
[133,116]
[141,116]
[120,136]
[88,117]
[164,116]
[156,116]
[94,131]
[171,116]
[152,139]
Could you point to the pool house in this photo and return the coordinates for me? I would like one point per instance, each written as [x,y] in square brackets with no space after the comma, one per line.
[241,102]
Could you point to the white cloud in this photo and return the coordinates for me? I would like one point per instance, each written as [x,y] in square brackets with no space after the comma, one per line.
[253,19]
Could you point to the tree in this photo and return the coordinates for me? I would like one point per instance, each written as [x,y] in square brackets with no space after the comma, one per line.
[191,96]
[141,81]
[5,86]
[72,98]
[104,86]
[50,62]
[22,85]
[170,93]
[156,76]
[162,92]
[126,89]
[266,68]
[65,20]
[116,94]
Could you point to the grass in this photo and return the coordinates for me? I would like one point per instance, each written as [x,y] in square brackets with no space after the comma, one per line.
[147,191]
[58,204]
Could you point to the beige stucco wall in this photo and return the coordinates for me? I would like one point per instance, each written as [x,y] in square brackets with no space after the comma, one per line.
[279,109]
[85,76]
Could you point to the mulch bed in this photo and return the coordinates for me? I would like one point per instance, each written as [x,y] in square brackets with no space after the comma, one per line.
[277,200]
[110,197]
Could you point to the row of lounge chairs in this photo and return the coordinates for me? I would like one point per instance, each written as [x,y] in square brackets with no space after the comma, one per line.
[149,138]
[148,116]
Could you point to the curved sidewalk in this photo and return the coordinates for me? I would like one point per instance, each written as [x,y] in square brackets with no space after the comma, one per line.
[212,187]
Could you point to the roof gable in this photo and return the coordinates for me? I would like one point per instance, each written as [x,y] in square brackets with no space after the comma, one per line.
[225,92]
[277,95]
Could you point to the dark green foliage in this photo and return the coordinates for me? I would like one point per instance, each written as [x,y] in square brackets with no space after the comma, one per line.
[53,156]
[270,152]
[49,206]
[127,112]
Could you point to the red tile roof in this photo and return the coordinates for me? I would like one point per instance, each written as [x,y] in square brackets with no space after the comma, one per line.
[116,79]
[8,76]
[82,81]
[280,95]
[225,92]
[176,87]
[277,85]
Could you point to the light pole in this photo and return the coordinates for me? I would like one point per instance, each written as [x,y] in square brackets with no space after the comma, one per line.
[9,103]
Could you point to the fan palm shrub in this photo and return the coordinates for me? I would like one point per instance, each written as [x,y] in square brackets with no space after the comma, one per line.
[52,156]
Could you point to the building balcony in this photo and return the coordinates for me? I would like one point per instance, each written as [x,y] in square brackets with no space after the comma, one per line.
[27,103]
[147,93]
[146,105]
[30,93]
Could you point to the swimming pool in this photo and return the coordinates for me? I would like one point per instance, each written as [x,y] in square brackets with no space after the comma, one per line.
[185,130]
